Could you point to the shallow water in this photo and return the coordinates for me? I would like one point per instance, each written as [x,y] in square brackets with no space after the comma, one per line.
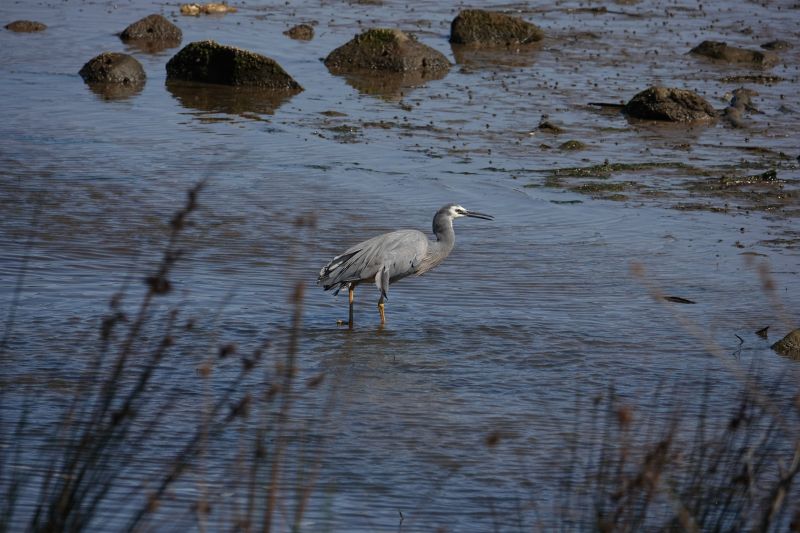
[533,312]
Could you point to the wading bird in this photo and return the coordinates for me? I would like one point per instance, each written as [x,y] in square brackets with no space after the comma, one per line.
[392,256]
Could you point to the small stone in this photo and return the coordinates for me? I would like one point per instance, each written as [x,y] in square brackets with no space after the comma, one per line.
[113,67]
[664,103]
[25,26]
[789,346]
[301,32]
[572,145]
[720,51]
[491,28]
[777,44]
[548,127]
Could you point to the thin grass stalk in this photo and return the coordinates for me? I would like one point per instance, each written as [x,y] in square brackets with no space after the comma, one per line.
[8,471]
[286,403]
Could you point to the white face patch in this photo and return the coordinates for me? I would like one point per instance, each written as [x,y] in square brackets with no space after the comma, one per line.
[457,211]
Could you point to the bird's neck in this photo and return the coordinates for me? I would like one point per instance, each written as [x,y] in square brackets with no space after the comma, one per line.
[445,236]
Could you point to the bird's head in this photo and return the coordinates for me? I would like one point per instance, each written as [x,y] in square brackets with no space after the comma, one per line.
[458,211]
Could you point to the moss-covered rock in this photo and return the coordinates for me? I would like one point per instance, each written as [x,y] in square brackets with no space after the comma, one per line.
[152,28]
[789,346]
[572,145]
[490,28]
[211,62]
[720,51]
[664,103]
[301,32]
[25,26]
[382,49]
[113,67]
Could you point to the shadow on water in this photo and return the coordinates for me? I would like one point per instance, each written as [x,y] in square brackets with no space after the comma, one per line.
[152,47]
[116,91]
[390,86]
[490,58]
[231,100]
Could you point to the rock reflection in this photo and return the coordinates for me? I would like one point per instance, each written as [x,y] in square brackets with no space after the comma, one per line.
[516,56]
[388,85]
[151,46]
[226,99]
[686,132]
[116,91]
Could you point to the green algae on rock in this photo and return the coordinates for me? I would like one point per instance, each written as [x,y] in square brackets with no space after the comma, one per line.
[390,50]
[789,346]
[211,62]
[491,28]
[572,145]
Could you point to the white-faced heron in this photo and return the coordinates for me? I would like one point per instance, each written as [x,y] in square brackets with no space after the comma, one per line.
[392,256]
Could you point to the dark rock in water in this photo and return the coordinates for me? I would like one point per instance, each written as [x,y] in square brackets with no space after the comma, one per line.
[113,67]
[152,28]
[25,26]
[389,50]
[386,63]
[301,32]
[777,45]
[789,346]
[664,103]
[211,62]
[730,54]
[490,28]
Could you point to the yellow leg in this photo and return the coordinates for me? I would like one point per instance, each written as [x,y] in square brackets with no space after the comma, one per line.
[381,310]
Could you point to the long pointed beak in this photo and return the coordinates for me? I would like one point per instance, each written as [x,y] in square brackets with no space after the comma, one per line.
[475,214]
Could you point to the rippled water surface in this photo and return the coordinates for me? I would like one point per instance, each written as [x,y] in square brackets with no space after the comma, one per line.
[531,316]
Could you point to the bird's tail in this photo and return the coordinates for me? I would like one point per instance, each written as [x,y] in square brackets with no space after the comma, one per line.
[330,275]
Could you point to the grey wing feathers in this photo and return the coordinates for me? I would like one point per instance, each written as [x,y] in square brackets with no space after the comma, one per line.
[332,273]
[392,255]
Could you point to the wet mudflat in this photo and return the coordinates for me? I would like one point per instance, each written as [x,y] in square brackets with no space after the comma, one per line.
[457,414]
